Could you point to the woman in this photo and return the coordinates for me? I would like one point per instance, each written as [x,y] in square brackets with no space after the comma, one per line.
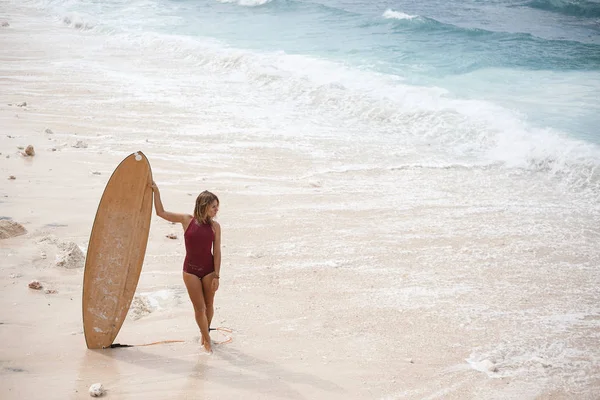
[203,255]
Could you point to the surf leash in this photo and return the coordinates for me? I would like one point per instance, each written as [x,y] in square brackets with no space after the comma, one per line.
[117,345]
[228,339]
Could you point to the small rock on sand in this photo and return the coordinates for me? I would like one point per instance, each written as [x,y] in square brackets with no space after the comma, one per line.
[49,131]
[35,285]
[71,257]
[22,104]
[80,145]
[5,24]
[50,291]
[12,177]
[29,151]
[10,229]
[96,390]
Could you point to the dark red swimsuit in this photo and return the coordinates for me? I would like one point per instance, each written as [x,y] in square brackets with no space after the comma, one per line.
[199,258]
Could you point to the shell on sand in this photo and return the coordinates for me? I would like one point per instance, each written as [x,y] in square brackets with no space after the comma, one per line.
[96,390]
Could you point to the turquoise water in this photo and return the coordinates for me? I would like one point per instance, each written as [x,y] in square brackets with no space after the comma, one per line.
[482,50]
[509,82]
[509,52]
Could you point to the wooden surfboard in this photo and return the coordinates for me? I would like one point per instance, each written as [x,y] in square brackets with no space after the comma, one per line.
[116,250]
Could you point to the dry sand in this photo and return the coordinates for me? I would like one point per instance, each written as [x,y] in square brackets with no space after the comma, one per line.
[330,294]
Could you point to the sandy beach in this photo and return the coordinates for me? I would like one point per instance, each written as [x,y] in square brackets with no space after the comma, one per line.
[346,274]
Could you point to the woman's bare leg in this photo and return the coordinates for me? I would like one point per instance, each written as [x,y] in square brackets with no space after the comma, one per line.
[209,296]
[195,291]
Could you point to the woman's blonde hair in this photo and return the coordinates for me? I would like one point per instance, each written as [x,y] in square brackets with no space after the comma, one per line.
[203,201]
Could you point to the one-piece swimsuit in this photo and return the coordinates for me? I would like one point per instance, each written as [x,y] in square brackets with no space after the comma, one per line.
[199,258]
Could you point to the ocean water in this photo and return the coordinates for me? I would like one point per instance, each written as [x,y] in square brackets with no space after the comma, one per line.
[514,84]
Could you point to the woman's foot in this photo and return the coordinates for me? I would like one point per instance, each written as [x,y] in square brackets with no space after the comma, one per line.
[206,344]
[207,348]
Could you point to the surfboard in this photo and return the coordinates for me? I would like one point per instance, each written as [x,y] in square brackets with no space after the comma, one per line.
[116,250]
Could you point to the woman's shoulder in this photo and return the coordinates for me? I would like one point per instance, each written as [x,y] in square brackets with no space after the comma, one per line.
[186,221]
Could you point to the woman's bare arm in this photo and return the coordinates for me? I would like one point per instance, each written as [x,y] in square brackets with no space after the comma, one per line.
[217,248]
[183,219]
